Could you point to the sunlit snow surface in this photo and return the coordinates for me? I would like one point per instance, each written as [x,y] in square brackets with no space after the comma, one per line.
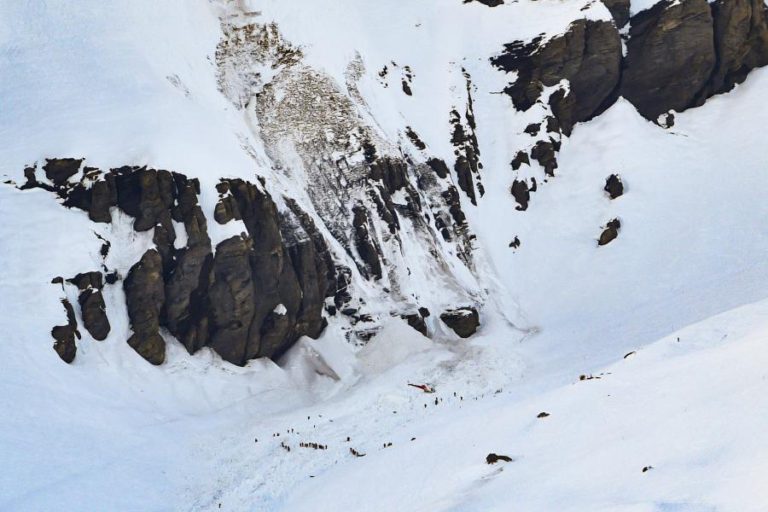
[110,432]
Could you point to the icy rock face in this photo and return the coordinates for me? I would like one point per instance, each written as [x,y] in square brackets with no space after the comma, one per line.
[228,298]
[380,202]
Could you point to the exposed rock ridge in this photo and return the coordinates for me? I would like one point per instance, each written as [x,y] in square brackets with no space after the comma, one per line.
[679,53]
[252,296]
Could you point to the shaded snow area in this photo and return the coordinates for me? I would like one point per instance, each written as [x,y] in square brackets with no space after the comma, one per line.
[624,378]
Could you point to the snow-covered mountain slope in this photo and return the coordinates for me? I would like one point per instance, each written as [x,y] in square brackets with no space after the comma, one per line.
[295,209]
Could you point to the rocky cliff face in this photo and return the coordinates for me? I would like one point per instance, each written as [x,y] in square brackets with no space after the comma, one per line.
[366,216]
[252,295]
[678,54]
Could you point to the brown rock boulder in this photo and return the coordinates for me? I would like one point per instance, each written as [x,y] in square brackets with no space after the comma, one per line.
[464,321]
[610,233]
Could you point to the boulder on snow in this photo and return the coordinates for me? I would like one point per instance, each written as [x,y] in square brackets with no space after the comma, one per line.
[464,321]
[588,55]
[614,186]
[610,233]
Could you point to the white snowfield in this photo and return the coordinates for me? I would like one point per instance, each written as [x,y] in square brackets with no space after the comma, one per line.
[667,324]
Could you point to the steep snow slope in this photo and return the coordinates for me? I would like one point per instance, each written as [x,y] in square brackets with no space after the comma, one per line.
[670,427]
[121,87]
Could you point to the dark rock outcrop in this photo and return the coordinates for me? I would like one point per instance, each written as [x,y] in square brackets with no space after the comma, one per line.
[520,158]
[679,53]
[619,10]
[588,55]
[65,335]
[464,321]
[59,170]
[521,194]
[144,297]
[740,43]
[466,147]
[670,56]
[610,233]
[251,296]
[364,244]
[545,152]
[94,313]
[92,306]
[438,166]
[417,320]
[614,187]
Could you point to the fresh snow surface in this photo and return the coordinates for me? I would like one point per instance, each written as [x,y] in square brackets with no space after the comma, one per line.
[134,83]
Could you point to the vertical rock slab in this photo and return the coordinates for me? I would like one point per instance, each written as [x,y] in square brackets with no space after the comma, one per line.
[232,300]
[741,43]
[670,56]
[145,295]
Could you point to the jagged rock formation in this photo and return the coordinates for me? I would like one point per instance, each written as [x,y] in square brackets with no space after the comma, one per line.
[92,306]
[253,297]
[144,297]
[588,55]
[679,53]
[248,296]
[741,43]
